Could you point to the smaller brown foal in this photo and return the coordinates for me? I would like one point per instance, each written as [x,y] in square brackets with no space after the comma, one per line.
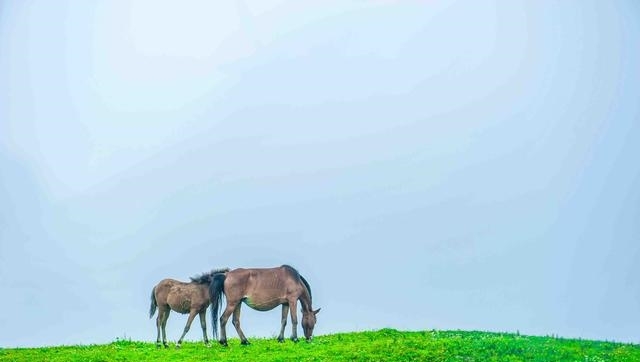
[192,298]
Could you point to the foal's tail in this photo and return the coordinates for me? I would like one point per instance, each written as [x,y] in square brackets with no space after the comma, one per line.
[154,304]
[216,289]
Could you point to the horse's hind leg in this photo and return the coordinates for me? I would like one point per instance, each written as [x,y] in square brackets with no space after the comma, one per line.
[203,324]
[192,314]
[283,321]
[163,324]
[223,322]
[159,325]
[236,323]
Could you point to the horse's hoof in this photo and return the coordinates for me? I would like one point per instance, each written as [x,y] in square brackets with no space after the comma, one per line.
[166,345]
[295,340]
[280,340]
[208,345]
[178,346]
[245,343]
[224,343]
[158,346]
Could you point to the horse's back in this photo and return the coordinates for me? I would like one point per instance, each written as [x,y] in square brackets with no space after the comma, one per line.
[168,282]
[166,289]
[163,287]
[262,288]
[261,277]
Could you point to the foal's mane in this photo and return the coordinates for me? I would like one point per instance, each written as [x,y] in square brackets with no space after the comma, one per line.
[295,274]
[206,278]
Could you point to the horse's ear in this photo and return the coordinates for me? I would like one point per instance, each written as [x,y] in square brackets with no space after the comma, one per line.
[316,311]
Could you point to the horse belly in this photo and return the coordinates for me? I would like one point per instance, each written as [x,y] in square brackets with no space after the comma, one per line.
[182,308]
[180,305]
[260,305]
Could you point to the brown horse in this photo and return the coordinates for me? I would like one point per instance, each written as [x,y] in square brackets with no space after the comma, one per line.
[263,290]
[192,298]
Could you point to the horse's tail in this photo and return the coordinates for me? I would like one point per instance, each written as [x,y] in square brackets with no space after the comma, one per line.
[306,284]
[216,289]
[154,304]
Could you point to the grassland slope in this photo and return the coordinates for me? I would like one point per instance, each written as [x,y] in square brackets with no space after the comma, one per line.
[382,345]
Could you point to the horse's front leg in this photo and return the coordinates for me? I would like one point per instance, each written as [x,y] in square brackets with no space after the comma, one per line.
[283,321]
[192,314]
[165,316]
[159,326]
[294,320]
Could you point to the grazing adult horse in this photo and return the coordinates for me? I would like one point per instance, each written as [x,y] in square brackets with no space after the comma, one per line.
[192,298]
[263,290]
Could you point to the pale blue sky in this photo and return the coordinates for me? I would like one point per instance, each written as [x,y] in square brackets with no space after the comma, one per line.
[424,164]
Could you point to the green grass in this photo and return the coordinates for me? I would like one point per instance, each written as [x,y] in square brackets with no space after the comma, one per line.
[383,345]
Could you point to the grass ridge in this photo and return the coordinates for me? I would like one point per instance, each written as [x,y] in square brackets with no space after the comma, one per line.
[381,345]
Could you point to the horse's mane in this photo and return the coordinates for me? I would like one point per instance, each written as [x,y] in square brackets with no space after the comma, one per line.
[295,274]
[306,284]
[206,278]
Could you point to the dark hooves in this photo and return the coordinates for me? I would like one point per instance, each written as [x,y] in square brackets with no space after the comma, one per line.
[224,343]
[245,343]
[281,340]
[295,340]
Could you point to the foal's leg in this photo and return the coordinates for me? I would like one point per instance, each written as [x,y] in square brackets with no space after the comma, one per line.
[294,320]
[159,325]
[236,323]
[165,316]
[223,322]
[203,324]
[192,314]
[283,321]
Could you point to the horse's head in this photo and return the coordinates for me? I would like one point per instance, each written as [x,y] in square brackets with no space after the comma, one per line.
[308,322]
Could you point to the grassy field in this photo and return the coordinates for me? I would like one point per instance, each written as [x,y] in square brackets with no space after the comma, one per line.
[383,345]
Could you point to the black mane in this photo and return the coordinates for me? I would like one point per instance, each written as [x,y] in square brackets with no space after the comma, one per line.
[207,278]
[295,274]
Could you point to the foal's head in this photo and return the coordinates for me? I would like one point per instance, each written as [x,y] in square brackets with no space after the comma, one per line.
[308,322]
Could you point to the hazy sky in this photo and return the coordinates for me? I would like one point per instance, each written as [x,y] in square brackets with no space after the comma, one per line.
[424,164]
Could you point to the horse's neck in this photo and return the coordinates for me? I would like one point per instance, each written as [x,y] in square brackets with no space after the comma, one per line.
[305,300]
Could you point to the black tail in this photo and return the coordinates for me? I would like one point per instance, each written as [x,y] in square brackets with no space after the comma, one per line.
[154,304]
[216,289]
